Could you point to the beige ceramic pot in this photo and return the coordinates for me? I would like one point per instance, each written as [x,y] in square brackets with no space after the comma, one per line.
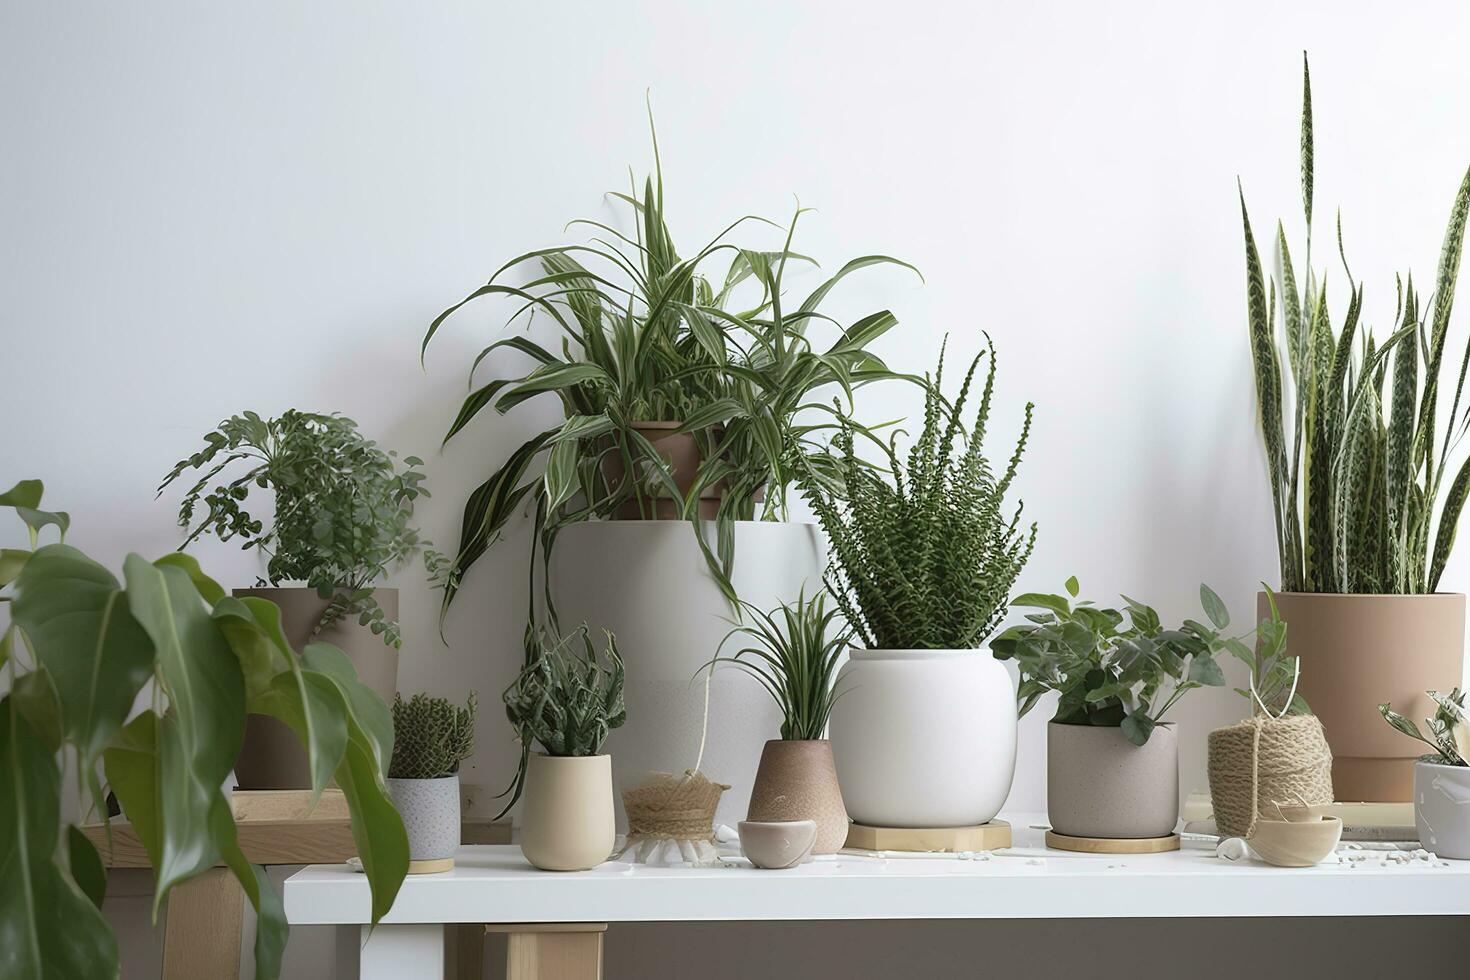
[567,819]
[1358,651]
[271,756]
[797,781]
[1099,784]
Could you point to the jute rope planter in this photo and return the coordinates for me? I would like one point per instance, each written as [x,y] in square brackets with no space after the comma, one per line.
[1264,761]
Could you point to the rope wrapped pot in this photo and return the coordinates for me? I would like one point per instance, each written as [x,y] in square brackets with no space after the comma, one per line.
[1264,761]
[670,807]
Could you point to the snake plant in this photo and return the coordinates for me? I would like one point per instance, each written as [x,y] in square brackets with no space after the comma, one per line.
[1362,491]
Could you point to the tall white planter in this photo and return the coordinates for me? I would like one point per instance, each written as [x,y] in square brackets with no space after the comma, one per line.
[924,738]
[647,582]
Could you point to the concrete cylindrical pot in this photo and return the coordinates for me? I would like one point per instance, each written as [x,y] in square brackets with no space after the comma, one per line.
[1358,651]
[567,819]
[430,812]
[796,780]
[647,582]
[1099,784]
[924,738]
[1264,761]
[1442,808]
[271,756]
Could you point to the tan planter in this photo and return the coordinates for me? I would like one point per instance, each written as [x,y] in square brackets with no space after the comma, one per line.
[682,452]
[1265,761]
[1358,651]
[272,756]
[797,781]
[567,819]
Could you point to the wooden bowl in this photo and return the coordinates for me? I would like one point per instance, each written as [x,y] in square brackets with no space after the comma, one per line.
[777,844]
[1295,843]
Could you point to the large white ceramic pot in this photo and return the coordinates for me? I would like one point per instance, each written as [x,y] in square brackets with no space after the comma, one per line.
[567,819]
[1442,808]
[648,583]
[924,738]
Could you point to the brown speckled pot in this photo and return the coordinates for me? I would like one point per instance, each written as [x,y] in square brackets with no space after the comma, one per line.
[797,781]
[1099,784]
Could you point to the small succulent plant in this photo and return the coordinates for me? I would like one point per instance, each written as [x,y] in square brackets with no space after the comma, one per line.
[1449,728]
[565,699]
[431,736]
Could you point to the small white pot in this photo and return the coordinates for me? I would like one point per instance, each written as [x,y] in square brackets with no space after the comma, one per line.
[1442,808]
[924,738]
[567,821]
[430,812]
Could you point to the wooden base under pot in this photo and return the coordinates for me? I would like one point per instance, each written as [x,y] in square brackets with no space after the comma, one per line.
[986,837]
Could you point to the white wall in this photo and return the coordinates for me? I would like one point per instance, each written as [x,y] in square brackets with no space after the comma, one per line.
[207,208]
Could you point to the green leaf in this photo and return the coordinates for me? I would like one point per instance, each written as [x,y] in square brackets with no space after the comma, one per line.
[1137,728]
[1206,671]
[26,493]
[209,590]
[368,716]
[579,427]
[85,865]
[12,560]
[1040,600]
[78,621]
[1214,607]
[560,478]
[49,927]
[37,519]
[552,377]
[1073,587]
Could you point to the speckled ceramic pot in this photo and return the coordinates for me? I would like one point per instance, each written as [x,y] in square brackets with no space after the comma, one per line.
[1099,784]
[430,812]
[797,781]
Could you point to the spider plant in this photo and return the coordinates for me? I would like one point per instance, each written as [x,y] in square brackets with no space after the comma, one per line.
[1356,485]
[794,656]
[649,336]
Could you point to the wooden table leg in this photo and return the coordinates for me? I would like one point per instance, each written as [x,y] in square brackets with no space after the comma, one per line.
[398,951]
[464,944]
[553,951]
[201,936]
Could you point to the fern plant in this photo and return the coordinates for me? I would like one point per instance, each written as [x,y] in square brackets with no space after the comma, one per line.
[431,736]
[924,557]
[1356,483]
[794,656]
[565,699]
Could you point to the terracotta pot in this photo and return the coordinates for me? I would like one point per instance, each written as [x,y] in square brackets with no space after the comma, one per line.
[567,812]
[1442,808]
[430,812]
[1358,651]
[924,738]
[797,781]
[1099,784]
[272,756]
[682,452]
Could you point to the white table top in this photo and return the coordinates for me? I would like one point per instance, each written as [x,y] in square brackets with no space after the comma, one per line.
[495,884]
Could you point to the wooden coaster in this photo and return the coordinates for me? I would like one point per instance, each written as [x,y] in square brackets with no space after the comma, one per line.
[430,867]
[986,837]
[1112,845]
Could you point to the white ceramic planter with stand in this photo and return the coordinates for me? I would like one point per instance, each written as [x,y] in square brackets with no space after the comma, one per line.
[924,738]
[647,582]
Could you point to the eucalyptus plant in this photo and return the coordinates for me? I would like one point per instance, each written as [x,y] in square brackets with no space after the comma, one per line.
[431,736]
[1449,728]
[1358,483]
[1109,674]
[647,336]
[79,650]
[342,506]
[794,657]
[924,555]
[565,699]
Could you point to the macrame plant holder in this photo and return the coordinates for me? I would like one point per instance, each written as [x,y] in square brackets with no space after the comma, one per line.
[671,817]
[1264,761]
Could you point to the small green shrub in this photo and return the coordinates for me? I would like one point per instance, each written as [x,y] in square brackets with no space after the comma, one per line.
[431,736]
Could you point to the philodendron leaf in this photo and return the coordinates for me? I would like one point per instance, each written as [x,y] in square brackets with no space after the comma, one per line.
[26,493]
[79,623]
[1214,607]
[1137,728]
[12,560]
[366,710]
[49,928]
[85,864]
[200,736]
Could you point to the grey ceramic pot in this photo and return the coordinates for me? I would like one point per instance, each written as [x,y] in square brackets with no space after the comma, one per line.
[1099,784]
[430,812]
[1442,808]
